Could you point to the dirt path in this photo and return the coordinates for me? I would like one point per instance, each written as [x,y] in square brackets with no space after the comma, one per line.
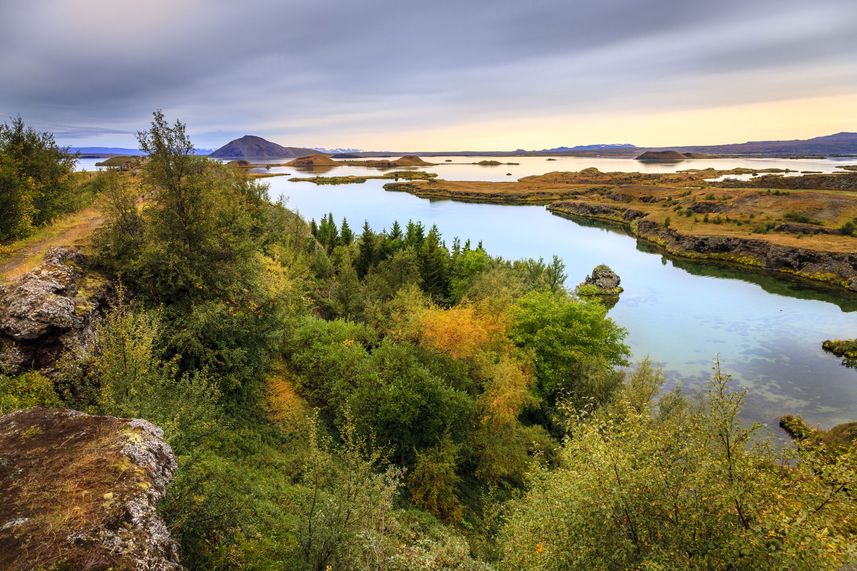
[74,230]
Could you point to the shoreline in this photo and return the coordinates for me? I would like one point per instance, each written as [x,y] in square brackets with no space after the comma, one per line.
[676,218]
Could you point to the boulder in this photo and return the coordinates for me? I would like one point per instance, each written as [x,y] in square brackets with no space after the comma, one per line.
[48,310]
[604,279]
[602,284]
[80,492]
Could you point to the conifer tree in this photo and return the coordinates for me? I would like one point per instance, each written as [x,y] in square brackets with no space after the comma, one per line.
[434,266]
[346,235]
[366,252]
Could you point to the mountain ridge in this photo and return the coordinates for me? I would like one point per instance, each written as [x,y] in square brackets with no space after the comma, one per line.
[254,147]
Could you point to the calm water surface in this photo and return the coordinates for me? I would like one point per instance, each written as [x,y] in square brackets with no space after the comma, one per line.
[767,330]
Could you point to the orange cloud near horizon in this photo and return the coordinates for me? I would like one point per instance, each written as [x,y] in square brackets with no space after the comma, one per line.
[775,120]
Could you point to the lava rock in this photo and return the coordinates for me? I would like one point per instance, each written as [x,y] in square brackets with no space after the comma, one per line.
[605,280]
[80,492]
[48,310]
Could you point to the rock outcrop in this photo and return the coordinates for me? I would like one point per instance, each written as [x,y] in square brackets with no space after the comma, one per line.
[316,160]
[48,310]
[839,268]
[596,211]
[80,492]
[844,348]
[605,279]
[602,284]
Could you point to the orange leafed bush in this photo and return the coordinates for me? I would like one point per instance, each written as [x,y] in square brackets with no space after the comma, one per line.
[286,406]
[462,332]
[505,393]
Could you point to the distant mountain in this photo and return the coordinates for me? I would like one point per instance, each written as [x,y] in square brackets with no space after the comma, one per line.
[837,144]
[112,151]
[252,147]
[344,151]
[609,147]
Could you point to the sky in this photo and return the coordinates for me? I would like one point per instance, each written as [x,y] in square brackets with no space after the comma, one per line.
[432,75]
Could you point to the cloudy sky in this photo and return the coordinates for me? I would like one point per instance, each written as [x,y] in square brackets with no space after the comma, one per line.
[433,75]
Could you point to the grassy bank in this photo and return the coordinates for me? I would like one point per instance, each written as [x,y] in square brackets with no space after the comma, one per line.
[806,232]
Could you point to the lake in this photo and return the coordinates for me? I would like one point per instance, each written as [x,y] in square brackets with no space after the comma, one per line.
[766,329]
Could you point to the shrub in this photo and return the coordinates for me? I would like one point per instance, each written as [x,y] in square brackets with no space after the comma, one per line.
[672,486]
[26,390]
[36,182]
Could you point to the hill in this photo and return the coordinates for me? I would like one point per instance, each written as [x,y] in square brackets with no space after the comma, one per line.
[577,148]
[410,161]
[315,160]
[837,144]
[662,157]
[252,147]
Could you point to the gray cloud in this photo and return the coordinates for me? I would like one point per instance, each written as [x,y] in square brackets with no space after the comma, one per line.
[307,72]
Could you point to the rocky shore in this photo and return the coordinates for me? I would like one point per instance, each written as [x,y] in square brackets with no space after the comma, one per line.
[838,268]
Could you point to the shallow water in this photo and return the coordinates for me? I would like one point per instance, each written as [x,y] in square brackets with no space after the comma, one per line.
[462,168]
[766,329]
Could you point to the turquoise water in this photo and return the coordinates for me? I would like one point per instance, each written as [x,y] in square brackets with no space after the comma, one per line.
[767,330]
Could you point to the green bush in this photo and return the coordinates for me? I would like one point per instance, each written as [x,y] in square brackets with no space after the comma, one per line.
[674,486]
[36,182]
[26,390]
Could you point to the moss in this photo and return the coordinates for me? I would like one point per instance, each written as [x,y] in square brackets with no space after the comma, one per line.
[845,348]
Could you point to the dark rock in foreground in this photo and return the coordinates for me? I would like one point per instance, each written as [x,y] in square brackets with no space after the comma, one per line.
[79,492]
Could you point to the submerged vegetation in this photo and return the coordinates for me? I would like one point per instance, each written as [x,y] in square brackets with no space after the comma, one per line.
[847,349]
[387,399]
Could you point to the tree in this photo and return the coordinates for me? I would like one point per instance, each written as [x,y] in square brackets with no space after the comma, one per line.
[16,202]
[466,266]
[434,481]
[434,266]
[36,182]
[679,487]
[346,234]
[327,233]
[200,241]
[350,503]
[121,236]
[367,251]
[555,274]
[406,406]
[574,346]
[395,232]
[135,379]
[206,230]
[414,234]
